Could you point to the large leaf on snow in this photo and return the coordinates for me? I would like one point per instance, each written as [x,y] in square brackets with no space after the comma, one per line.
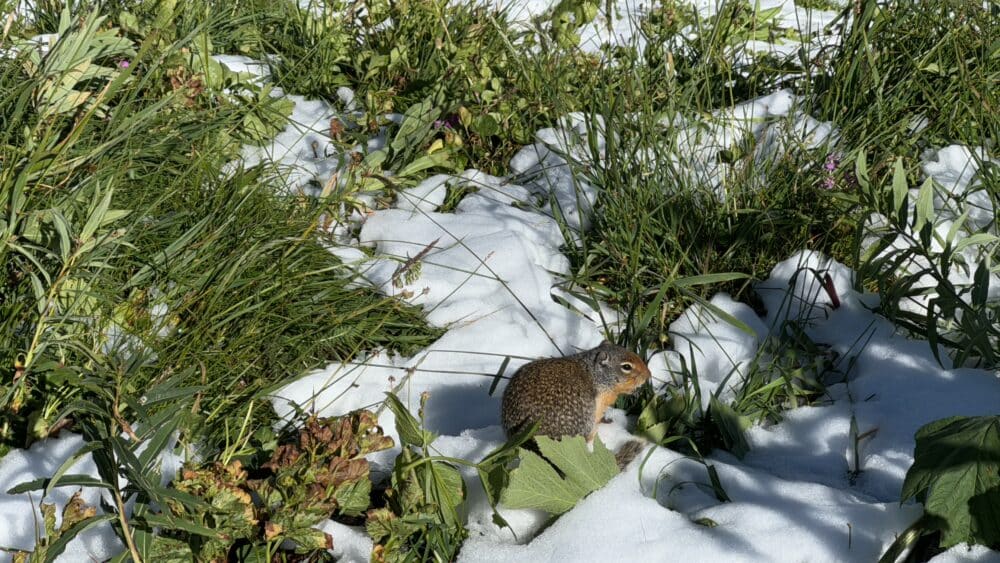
[536,483]
[956,475]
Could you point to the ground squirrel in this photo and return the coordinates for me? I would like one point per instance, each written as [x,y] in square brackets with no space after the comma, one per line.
[568,396]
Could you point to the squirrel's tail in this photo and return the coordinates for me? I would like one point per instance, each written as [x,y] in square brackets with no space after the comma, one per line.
[628,452]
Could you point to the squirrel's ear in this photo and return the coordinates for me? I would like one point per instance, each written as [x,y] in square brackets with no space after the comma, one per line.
[603,358]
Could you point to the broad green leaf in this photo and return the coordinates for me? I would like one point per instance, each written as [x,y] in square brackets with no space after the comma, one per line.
[536,483]
[375,159]
[416,120]
[493,472]
[486,125]
[448,491]
[434,160]
[956,475]
[590,470]
[353,497]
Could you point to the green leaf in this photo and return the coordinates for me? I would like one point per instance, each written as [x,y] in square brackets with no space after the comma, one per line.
[486,125]
[407,426]
[417,121]
[72,480]
[353,497]
[925,205]
[167,522]
[861,171]
[899,189]
[70,461]
[425,162]
[730,425]
[448,491]
[708,279]
[169,550]
[956,474]
[96,216]
[375,159]
[59,545]
[536,483]
[978,238]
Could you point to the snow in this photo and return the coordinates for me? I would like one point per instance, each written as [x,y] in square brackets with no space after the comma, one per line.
[20,515]
[488,272]
[487,275]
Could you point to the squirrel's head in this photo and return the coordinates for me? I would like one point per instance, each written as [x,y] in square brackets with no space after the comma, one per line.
[616,368]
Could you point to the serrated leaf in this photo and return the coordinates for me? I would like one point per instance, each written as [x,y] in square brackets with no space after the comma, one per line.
[536,484]
[448,491]
[353,497]
[590,470]
[956,474]
[169,550]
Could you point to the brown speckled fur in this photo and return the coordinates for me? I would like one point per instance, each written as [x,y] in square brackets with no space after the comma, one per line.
[568,396]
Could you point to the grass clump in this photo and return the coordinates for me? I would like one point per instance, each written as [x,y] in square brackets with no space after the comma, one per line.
[153,293]
[120,237]
[928,72]
[468,60]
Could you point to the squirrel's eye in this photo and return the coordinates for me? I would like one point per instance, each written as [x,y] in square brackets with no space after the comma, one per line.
[626,366]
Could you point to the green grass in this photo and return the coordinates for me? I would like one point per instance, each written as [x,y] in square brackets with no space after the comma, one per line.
[148,288]
[251,296]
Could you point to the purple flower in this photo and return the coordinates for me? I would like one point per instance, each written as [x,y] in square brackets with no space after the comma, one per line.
[829,183]
[450,122]
[831,162]
[123,63]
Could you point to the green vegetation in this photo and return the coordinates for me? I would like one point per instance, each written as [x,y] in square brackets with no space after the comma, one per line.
[153,292]
[556,482]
